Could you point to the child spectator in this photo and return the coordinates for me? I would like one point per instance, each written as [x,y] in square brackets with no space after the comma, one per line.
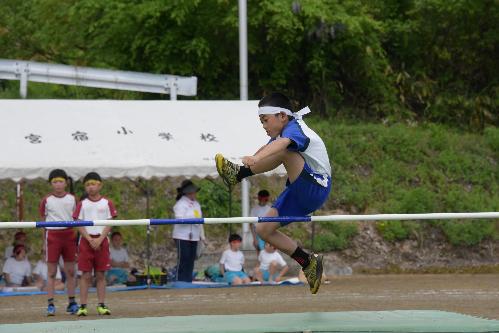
[93,251]
[232,261]
[17,270]
[59,241]
[40,275]
[187,236]
[119,260]
[259,210]
[19,239]
[270,263]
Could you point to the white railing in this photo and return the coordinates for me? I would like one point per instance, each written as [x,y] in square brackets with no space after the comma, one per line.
[25,71]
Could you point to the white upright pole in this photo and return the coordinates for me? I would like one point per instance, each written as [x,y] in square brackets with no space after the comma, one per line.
[243,51]
[23,85]
[243,92]
[173,89]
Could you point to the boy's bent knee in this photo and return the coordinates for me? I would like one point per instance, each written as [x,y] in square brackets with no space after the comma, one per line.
[264,229]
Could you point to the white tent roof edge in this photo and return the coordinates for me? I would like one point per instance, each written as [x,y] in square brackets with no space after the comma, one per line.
[132,139]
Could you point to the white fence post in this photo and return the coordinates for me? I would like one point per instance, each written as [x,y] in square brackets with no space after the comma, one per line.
[97,78]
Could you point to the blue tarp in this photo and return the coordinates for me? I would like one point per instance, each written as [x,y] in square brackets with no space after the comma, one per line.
[173,285]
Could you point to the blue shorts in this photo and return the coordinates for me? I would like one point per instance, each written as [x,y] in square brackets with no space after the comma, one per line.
[266,275]
[261,243]
[304,195]
[229,276]
[120,275]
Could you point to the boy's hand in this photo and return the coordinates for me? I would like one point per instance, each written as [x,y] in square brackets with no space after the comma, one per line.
[99,240]
[250,160]
[94,244]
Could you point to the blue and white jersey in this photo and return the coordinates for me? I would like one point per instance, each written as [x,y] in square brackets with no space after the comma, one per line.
[309,145]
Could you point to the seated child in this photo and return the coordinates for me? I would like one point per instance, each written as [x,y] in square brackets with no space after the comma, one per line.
[40,274]
[17,270]
[270,263]
[19,239]
[232,261]
[118,274]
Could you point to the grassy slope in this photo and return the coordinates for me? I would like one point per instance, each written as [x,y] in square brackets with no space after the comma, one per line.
[377,168]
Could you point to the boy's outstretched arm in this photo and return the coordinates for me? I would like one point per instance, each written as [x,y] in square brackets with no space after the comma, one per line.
[272,148]
[259,150]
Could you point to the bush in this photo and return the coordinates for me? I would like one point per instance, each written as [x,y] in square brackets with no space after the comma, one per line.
[469,233]
[393,230]
[214,200]
[333,236]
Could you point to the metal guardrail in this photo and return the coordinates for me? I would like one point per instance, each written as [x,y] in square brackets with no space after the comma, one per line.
[25,71]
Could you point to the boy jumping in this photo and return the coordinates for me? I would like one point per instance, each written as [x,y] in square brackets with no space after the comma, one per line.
[304,156]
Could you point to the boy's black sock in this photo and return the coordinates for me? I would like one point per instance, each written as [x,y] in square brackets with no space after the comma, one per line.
[301,257]
[244,172]
[50,301]
[71,299]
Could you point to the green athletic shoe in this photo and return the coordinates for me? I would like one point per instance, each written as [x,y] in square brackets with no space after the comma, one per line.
[103,310]
[82,312]
[313,272]
[227,170]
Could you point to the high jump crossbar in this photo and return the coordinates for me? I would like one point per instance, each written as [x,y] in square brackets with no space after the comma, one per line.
[234,220]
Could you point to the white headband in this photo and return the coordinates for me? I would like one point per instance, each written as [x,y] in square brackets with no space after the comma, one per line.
[275,109]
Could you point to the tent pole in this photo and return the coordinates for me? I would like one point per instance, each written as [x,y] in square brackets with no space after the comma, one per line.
[145,188]
[312,236]
[19,201]
[148,239]
[230,208]
[247,236]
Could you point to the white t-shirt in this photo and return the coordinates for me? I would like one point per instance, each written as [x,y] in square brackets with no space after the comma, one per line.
[53,208]
[89,210]
[259,210]
[232,260]
[17,270]
[266,258]
[311,147]
[41,269]
[118,255]
[186,208]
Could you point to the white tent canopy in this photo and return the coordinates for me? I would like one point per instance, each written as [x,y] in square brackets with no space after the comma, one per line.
[124,138]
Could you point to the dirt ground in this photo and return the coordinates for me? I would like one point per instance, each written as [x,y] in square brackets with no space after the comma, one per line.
[476,295]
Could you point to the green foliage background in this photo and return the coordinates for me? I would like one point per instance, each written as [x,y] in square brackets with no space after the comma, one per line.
[412,60]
